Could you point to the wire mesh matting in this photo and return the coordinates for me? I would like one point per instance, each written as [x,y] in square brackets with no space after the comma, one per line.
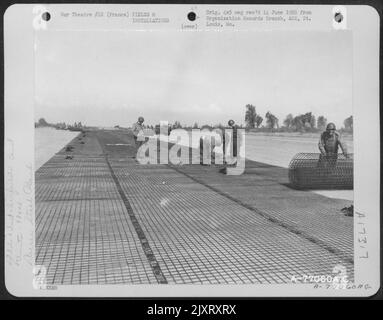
[317,171]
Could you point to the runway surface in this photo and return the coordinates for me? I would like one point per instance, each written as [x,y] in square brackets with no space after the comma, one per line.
[102,218]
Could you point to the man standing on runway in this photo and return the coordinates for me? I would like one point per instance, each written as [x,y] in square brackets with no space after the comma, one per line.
[138,133]
[225,141]
[329,144]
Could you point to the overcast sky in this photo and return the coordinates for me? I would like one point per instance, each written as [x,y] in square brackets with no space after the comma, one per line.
[110,78]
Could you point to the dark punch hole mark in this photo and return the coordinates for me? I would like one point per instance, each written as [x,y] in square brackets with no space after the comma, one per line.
[46,16]
[338,17]
[191,16]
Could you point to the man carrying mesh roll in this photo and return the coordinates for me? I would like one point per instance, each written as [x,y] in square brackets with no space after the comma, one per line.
[329,144]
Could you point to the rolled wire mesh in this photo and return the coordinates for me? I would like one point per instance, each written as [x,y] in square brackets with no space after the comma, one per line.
[316,171]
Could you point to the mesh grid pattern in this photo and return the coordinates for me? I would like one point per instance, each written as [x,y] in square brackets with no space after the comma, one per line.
[316,171]
[102,218]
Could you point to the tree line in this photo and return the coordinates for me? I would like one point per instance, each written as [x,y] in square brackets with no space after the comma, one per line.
[41,123]
[306,122]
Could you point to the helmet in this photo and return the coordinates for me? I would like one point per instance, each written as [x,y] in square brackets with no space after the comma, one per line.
[331,126]
[140,119]
[231,122]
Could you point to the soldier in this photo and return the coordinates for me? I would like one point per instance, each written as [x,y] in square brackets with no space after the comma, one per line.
[225,137]
[138,133]
[233,127]
[329,144]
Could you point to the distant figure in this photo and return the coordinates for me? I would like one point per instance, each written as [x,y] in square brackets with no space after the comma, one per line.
[138,133]
[329,144]
[225,137]
[232,126]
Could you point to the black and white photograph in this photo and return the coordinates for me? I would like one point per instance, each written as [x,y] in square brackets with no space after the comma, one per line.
[183,157]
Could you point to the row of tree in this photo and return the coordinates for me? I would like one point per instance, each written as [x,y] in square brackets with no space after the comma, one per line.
[60,125]
[306,122]
[301,123]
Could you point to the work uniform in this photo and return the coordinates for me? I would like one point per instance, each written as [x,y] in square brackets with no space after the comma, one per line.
[329,146]
[138,132]
[234,147]
[226,137]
